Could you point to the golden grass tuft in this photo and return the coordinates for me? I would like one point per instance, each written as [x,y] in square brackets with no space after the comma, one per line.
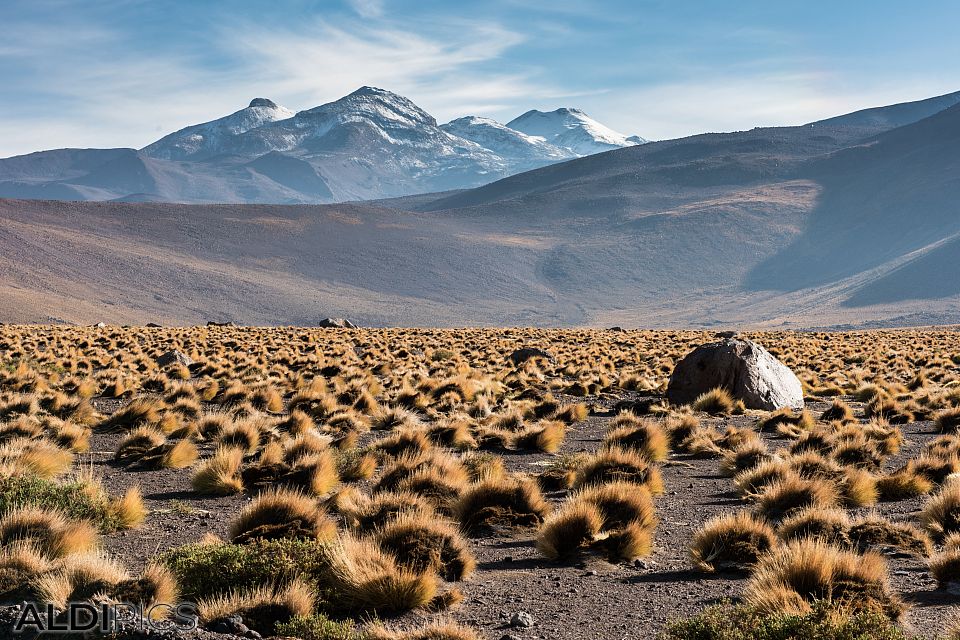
[715,402]
[282,513]
[129,509]
[787,496]
[48,531]
[220,474]
[733,542]
[501,502]
[424,543]
[614,464]
[647,437]
[789,579]
[261,608]
[569,530]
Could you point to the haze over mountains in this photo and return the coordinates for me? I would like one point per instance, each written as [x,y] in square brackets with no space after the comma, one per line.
[851,220]
[369,144]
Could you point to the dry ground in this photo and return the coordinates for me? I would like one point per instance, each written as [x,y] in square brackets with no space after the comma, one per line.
[586,597]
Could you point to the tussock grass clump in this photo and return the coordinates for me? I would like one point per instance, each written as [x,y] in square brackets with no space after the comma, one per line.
[572,413]
[282,513]
[128,510]
[839,411]
[747,456]
[501,502]
[731,542]
[785,497]
[948,420]
[794,576]
[830,526]
[903,485]
[48,531]
[262,608]
[423,543]
[79,577]
[156,585]
[140,412]
[138,442]
[220,474]
[614,464]
[366,513]
[787,422]
[405,466]
[620,503]
[569,530]
[753,482]
[647,437]
[365,578]
[941,513]
[546,436]
[21,562]
[441,630]
[715,402]
[875,532]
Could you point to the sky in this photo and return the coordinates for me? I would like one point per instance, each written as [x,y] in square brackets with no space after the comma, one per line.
[122,73]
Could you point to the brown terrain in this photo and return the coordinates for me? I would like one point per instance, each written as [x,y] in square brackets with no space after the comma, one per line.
[914,373]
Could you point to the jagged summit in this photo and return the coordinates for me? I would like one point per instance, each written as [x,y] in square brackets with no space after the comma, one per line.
[572,129]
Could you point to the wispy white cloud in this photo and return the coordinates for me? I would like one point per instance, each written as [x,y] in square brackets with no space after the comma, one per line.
[368,8]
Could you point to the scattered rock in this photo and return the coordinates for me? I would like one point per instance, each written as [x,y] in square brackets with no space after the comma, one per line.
[522,355]
[336,323]
[522,620]
[100,325]
[153,325]
[213,323]
[742,367]
[617,329]
[174,357]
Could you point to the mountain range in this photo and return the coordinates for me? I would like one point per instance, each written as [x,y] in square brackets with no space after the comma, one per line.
[851,221]
[369,144]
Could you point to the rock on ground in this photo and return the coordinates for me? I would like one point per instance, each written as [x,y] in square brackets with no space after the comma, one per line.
[742,367]
[174,357]
[336,323]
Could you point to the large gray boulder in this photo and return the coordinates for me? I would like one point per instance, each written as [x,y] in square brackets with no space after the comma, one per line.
[174,357]
[336,323]
[744,368]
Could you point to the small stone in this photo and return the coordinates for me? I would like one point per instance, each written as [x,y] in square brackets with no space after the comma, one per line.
[521,619]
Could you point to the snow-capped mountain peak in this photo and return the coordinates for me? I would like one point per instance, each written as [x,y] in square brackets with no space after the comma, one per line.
[212,137]
[570,129]
[504,141]
[369,144]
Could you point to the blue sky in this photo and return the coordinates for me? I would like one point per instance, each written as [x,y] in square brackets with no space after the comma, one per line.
[83,73]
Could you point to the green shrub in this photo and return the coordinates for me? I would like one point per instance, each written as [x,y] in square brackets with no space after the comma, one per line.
[73,499]
[205,570]
[319,627]
[825,622]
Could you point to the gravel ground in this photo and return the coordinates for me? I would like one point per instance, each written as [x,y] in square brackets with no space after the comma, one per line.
[592,599]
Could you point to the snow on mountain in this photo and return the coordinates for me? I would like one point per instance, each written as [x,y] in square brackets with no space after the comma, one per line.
[369,144]
[570,129]
[210,138]
[506,142]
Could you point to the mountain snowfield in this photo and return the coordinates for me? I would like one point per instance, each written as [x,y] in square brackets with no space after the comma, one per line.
[370,144]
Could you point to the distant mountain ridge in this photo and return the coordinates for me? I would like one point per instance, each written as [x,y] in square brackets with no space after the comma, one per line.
[369,144]
[851,222]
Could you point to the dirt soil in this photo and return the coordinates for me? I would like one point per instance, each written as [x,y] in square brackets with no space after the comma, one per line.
[592,599]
